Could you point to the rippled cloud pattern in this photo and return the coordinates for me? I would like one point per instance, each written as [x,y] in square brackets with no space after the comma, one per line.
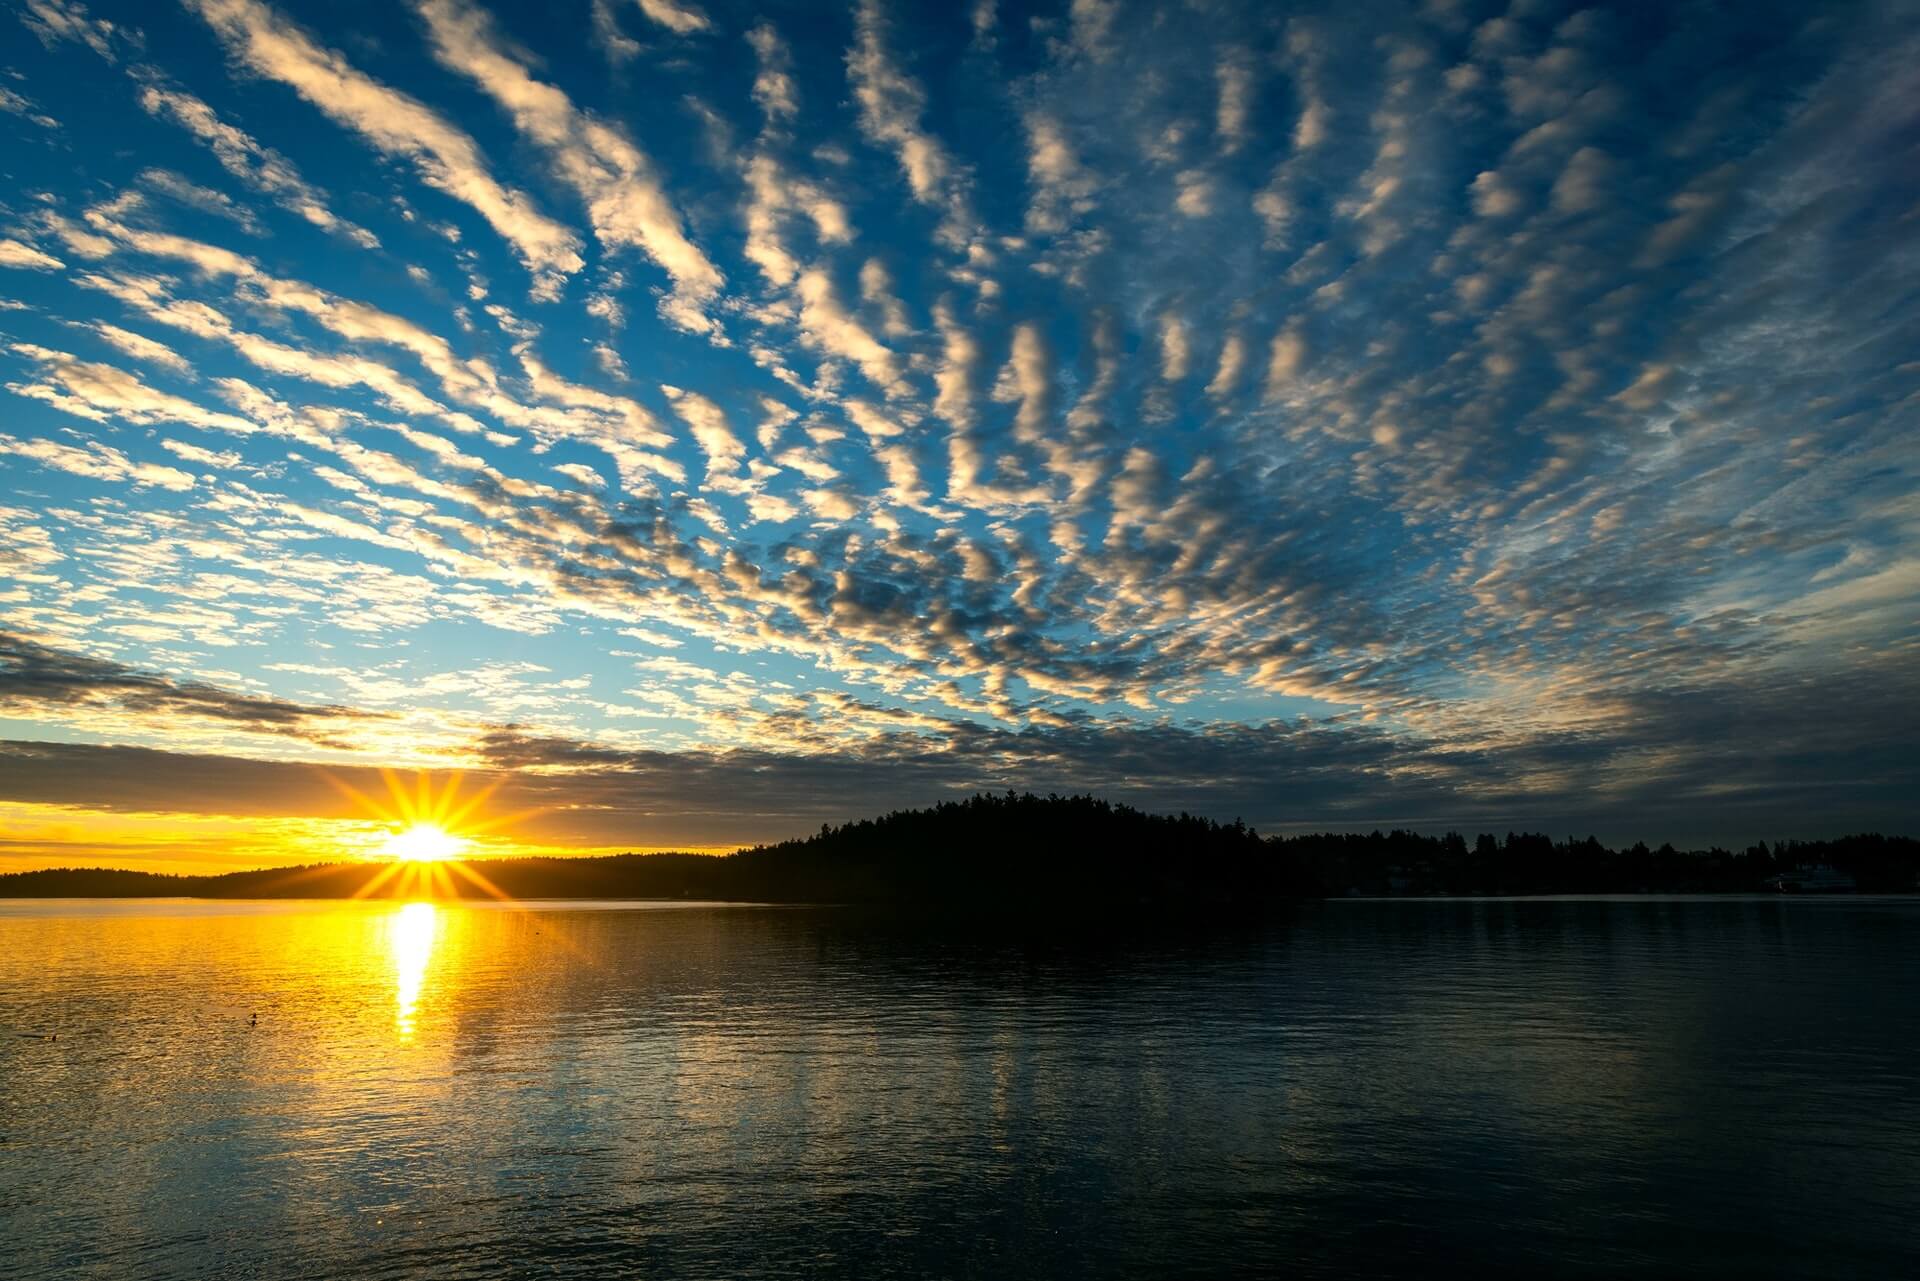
[727,418]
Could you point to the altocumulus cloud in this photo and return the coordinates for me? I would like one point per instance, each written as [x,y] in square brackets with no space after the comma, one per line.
[1471,415]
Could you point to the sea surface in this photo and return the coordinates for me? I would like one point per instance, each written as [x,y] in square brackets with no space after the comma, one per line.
[1526,1088]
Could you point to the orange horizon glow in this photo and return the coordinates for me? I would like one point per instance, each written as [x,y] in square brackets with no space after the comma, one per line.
[38,835]
[415,820]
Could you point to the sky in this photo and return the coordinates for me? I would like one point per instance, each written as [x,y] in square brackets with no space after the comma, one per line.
[700,422]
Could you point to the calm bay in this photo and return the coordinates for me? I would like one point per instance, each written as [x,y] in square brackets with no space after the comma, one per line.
[1722,1087]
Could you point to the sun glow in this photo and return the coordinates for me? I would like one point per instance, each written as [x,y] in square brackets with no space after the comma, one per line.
[430,834]
[424,843]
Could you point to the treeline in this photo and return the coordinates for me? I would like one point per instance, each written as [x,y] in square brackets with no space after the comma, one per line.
[620,876]
[1523,863]
[1017,851]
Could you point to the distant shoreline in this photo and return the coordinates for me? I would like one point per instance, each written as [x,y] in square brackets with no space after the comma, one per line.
[469,900]
[1017,853]
[1064,855]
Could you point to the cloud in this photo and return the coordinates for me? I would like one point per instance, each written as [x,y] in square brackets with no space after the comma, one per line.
[444,156]
[1176,349]
[1231,369]
[261,168]
[724,449]
[204,199]
[17,104]
[224,460]
[1234,111]
[99,392]
[892,105]
[1581,186]
[774,195]
[37,678]
[679,18]
[625,200]
[17,255]
[1285,361]
[826,324]
[140,347]
[1494,197]
[94,461]
[1092,23]
[877,289]
[1062,189]
[960,363]
[56,20]
[1195,193]
[773,85]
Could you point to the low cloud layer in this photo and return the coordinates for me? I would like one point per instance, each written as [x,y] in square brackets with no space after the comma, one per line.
[1736,782]
[37,681]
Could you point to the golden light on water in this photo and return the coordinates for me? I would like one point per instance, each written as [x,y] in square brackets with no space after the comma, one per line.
[410,936]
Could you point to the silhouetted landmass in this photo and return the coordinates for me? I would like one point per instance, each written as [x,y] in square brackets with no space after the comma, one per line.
[1525,863]
[1019,851]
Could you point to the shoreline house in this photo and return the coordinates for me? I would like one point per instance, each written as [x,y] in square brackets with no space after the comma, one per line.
[1813,878]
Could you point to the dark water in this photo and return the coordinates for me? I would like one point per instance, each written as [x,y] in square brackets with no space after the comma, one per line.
[1512,1088]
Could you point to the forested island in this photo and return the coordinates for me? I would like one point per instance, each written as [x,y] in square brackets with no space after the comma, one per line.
[1016,851]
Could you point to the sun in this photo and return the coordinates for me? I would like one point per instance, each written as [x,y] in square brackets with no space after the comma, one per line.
[424,843]
[431,833]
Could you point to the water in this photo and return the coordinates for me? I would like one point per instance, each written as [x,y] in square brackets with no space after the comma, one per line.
[1516,1088]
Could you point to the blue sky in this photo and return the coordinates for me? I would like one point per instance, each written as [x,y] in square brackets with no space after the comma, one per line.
[724,418]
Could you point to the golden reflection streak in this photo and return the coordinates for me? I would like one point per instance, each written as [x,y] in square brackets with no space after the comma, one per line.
[410,937]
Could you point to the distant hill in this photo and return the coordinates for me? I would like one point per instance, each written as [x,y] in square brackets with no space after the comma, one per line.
[1011,852]
[1023,848]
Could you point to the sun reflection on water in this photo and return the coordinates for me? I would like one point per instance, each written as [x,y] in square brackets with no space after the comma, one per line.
[410,934]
